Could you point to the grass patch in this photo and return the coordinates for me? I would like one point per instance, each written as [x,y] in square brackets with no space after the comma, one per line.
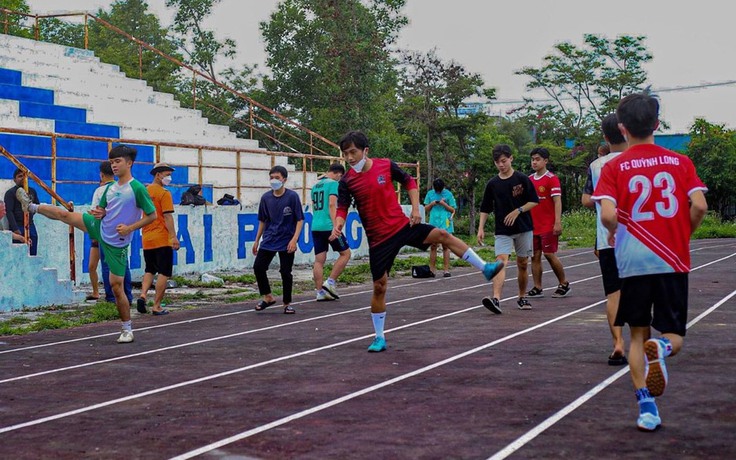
[243,298]
[199,295]
[246,278]
[715,227]
[181,281]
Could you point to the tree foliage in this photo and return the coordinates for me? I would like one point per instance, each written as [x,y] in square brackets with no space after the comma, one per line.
[713,151]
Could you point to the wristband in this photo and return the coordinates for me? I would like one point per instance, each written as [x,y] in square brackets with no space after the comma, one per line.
[521,209]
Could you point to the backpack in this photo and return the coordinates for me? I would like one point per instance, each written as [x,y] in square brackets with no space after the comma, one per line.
[421,271]
[228,200]
[192,197]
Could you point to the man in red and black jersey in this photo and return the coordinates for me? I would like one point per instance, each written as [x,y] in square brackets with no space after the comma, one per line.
[369,184]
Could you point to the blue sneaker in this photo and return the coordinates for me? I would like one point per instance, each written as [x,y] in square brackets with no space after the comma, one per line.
[648,421]
[492,269]
[657,371]
[378,345]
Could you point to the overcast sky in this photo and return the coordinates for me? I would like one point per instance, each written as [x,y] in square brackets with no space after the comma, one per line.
[692,43]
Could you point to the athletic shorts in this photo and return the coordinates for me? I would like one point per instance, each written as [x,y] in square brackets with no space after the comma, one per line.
[382,256]
[546,242]
[521,243]
[115,257]
[666,292]
[159,260]
[609,271]
[322,242]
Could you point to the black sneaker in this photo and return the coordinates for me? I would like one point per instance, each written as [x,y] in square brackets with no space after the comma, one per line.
[523,304]
[140,305]
[492,304]
[562,290]
[535,292]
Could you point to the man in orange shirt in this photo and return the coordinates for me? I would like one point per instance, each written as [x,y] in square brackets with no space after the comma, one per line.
[159,240]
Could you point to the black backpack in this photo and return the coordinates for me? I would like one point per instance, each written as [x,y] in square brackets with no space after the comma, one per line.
[228,200]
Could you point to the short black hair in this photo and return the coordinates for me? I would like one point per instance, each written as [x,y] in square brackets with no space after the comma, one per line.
[337,168]
[541,151]
[17,172]
[123,151]
[106,168]
[639,113]
[356,138]
[279,169]
[610,129]
[438,185]
[500,150]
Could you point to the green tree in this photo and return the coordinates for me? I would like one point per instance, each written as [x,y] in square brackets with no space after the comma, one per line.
[15,24]
[713,151]
[332,67]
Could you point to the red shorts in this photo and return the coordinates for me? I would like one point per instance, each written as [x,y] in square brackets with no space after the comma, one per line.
[546,242]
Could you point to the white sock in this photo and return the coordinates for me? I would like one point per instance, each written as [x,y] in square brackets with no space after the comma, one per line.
[128,325]
[331,282]
[474,259]
[378,321]
[32,208]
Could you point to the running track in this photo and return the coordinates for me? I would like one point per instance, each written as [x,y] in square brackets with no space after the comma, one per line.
[456,381]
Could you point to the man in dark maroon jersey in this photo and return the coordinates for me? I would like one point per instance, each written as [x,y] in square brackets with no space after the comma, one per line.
[369,183]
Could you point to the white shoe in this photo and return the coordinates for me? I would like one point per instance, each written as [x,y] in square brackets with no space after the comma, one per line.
[323,296]
[25,200]
[331,289]
[125,336]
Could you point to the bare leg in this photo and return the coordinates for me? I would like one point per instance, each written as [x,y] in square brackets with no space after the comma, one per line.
[378,300]
[557,267]
[59,213]
[636,356]
[121,301]
[537,269]
[94,259]
[319,264]
[160,291]
[340,264]
[616,331]
[446,257]
[433,257]
[146,284]
[501,277]
[522,263]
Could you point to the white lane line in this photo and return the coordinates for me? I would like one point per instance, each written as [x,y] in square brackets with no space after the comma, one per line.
[222,315]
[539,429]
[334,402]
[251,331]
[271,361]
[549,422]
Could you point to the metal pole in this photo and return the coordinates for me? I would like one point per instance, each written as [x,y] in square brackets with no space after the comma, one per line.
[194,90]
[140,62]
[238,174]
[37,29]
[304,179]
[53,167]
[158,153]
[86,32]
[250,114]
[199,165]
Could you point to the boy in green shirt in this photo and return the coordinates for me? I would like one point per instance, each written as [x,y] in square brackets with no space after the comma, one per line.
[112,223]
[324,206]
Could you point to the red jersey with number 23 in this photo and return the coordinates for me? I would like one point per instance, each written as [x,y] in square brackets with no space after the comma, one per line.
[650,187]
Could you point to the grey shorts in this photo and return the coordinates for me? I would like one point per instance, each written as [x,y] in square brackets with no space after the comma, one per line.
[521,243]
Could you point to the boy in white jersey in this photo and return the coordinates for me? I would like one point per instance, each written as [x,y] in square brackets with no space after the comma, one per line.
[652,200]
[112,223]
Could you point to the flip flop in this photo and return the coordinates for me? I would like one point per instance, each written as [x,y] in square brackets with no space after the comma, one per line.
[91,297]
[617,360]
[289,310]
[262,305]
[159,313]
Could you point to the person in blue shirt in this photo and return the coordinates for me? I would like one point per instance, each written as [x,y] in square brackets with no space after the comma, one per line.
[280,220]
[439,205]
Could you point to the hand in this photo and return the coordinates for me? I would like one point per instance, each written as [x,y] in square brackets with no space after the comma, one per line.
[254,249]
[557,229]
[336,232]
[511,217]
[415,217]
[98,212]
[291,247]
[175,244]
[481,236]
[612,238]
[123,230]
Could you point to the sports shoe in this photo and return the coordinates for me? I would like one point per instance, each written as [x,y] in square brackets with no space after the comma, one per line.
[492,304]
[523,304]
[562,290]
[535,292]
[492,269]
[24,198]
[648,421]
[378,345]
[331,290]
[323,296]
[125,336]
[657,372]
[447,274]
[140,305]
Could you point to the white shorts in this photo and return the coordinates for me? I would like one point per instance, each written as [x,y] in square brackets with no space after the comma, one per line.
[521,243]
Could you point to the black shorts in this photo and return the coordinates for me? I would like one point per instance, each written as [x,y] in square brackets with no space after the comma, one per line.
[322,242]
[159,260]
[609,271]
[382,256]
[666,292]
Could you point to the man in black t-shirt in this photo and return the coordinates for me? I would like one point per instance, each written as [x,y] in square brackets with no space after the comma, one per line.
[510,195]
[15,211]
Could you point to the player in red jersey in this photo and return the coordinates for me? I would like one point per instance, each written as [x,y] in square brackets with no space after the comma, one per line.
[651,201]
[369,183]
[547,219]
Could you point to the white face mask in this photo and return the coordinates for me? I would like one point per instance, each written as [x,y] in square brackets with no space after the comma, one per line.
[166,180]
[276,184]
[358,167]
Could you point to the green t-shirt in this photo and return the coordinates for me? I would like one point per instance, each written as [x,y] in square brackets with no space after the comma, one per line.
[123,205]
[439,216]
[321,193]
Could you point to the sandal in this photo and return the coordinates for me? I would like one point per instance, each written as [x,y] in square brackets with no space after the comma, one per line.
[262,305]
[289,310]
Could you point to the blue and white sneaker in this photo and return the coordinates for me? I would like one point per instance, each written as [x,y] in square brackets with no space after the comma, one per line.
[378,345]
[323,296]
[492,269]
[331,289]
[648,421]
[657,370]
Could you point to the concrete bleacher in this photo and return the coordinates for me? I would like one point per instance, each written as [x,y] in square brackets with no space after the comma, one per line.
[47,88]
